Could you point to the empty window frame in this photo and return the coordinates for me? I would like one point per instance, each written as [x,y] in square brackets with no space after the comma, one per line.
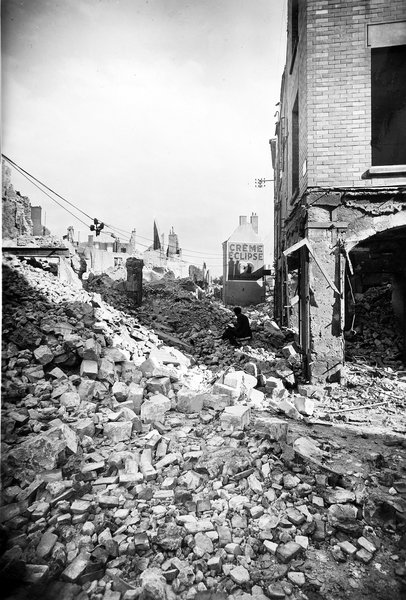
[388,105]
[295,147]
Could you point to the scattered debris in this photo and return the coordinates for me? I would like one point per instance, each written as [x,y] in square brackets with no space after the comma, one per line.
[135,470]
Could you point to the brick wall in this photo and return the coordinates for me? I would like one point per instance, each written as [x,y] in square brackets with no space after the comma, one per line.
[338,88]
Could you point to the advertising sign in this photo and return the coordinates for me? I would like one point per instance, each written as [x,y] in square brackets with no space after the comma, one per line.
[244,259]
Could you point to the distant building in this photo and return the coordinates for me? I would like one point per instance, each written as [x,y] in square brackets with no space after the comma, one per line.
[173,244]
[243,261]
[36,217]
[101,256]
[340,170]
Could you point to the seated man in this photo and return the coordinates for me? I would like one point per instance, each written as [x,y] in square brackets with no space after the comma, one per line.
[241,330]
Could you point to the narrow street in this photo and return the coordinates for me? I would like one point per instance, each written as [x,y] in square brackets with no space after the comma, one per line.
[138,468]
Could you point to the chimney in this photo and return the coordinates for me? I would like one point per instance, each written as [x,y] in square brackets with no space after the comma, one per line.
[254,222]
[243,220]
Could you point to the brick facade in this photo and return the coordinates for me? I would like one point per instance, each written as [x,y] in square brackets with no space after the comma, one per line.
[323,153]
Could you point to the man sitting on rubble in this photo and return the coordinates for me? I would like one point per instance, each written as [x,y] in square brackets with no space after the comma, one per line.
[241,330]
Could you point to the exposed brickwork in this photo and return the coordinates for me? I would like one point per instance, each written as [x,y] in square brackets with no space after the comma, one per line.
[332,75]
[329,71]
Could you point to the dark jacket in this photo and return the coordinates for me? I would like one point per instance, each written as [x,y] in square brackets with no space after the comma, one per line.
[243,328]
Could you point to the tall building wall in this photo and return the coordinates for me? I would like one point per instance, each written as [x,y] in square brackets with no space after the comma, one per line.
[330,74]
[36,216]
[340,163]
[339,88]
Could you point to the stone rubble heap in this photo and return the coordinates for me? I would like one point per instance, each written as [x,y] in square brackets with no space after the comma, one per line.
[376,335]
[130,473]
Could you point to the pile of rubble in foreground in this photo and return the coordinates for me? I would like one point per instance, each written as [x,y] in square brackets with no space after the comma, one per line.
[376,335]
[129,472]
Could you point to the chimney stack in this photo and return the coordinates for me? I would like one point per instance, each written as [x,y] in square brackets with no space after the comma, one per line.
[254,222]
[243,220]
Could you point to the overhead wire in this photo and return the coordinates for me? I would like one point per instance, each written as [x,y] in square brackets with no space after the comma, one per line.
[44,185]
[38,183]
[49,196]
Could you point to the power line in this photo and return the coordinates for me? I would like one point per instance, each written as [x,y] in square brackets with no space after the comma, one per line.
[49,196]
[32,179]
[45,186]
[150,240]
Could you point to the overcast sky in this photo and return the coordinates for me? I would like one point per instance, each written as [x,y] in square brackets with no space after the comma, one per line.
[137,109]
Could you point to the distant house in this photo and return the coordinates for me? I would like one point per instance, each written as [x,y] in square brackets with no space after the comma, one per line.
[243,261]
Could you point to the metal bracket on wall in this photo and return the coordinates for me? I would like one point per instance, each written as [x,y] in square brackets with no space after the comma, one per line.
[305,242]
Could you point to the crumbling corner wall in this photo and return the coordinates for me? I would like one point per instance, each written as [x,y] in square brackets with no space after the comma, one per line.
[16,209]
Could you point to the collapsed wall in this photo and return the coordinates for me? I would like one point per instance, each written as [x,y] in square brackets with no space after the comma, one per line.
[16,210]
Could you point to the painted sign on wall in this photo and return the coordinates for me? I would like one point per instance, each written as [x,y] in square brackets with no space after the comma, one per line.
[244,259]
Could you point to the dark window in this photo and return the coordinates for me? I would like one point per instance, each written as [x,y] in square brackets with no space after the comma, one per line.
[295,146]
[388,105]
[294,20]
[295,23]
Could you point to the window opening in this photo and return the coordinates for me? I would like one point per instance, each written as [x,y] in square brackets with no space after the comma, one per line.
[388,105]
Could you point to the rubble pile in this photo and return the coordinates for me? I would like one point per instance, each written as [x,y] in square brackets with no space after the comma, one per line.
[129,472]
[376,335]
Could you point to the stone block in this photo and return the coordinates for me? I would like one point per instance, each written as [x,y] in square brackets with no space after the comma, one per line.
[273,383]
[107,371]
[57,373]
[304,405]
[86,389]
[240,379]
[273,428]
[84,426]
[76,568]
[118,432]
[43,354]
[225,390]
[273,328]
[286,552]
[34,374]
[235,417]
[116,355]
[130,373]
[240,575]
[255,396]
[136,396]
[155,408]
[290,352]
[146,467]
[189,401]
[289,409]
[347,547]
[120,391]
[89,368]
[343,517]
[270,546]
[91,350]
[46,544]
[216,401]
[70,400]
[159,385]
[148,367]
[167,460]
[339,496]
[366,544]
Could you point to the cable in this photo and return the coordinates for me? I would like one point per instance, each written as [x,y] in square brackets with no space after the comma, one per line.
[45,186]
[33,179]
[217,255]
[49,196]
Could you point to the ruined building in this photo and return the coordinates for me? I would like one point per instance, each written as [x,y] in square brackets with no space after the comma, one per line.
[339,159]
[243,264]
